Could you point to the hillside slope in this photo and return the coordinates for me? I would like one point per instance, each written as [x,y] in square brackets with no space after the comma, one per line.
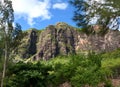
[63,39]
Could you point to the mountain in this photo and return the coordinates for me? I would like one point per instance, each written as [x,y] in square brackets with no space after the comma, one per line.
[63,39]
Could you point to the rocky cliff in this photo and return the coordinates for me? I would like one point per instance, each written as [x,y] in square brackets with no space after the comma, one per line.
[63,39]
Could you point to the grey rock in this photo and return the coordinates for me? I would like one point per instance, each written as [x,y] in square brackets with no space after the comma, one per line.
[63,39]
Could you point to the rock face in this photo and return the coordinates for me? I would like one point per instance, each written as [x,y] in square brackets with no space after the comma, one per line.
[56,40]
[62,39]
[27,48]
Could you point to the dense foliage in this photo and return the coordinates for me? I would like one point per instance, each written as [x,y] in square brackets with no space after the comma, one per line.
[78,70]
[9,35]
[103,12]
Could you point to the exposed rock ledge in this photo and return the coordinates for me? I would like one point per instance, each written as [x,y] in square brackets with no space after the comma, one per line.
[65,39]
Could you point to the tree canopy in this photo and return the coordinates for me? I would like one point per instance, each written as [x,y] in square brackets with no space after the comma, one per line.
[8,34]
[103,12]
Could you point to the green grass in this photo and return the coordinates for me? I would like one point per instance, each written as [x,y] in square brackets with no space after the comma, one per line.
[111,63]
[111,59]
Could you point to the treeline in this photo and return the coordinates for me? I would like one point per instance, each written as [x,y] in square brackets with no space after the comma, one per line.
[78,70]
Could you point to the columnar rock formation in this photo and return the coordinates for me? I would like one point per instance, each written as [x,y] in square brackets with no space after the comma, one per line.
[63,39]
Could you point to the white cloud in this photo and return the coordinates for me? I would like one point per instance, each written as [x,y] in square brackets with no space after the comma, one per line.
[30,9]
[61,6]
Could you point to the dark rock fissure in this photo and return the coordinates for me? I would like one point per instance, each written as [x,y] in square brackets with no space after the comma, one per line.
[32,46]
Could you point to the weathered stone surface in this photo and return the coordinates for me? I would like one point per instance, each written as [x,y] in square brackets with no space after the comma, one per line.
[108,42]
[62,39]
[56,40]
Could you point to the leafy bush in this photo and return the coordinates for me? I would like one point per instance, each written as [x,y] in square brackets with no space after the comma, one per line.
[114,54]
[27,74]
[79,70]
[87,71]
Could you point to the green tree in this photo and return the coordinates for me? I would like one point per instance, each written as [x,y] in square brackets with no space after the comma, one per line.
[28,75]
[105,12]
[8,32]
[6,19]
[78,70]
[87,70]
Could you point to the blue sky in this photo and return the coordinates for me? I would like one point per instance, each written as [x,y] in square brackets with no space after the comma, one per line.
[41,13]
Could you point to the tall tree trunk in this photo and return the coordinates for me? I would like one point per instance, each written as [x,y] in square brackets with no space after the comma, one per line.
[4,66]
